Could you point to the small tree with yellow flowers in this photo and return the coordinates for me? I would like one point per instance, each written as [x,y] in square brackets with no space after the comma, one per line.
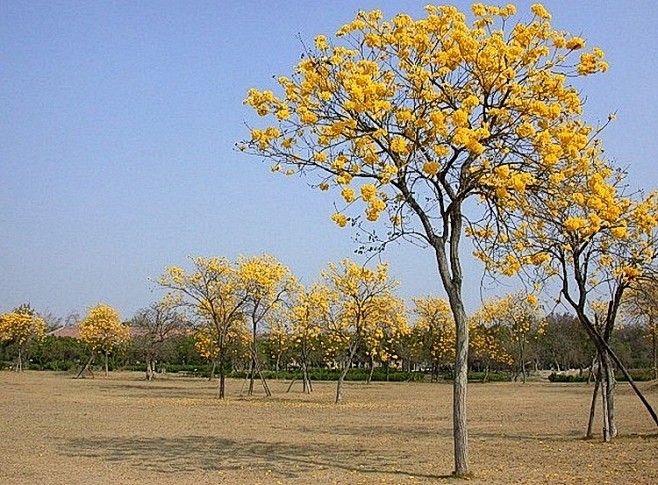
[383,341]
[237,351]
[102,331]
[307,311]
[211,292]
[262,284]
[487,347]
[21,327]
[412,119]
[358,300]
[516,321]
[433,333]
[641,304]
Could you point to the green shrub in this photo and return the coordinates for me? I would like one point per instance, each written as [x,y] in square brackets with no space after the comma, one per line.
[636,375]
[567,378]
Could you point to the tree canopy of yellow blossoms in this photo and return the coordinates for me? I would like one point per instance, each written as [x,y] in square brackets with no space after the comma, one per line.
[21,326]
[411,118]
[433,334]
[503,327]
[225,297]
[436,105]
[102,330]
[359,302]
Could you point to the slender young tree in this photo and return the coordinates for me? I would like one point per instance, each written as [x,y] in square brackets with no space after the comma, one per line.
[581,228]
[158,325]
[358,304]
[306,314]
[414,119]
[263,282]
[211,292]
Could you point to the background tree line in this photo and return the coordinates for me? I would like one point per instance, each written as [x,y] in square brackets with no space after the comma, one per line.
[510,338]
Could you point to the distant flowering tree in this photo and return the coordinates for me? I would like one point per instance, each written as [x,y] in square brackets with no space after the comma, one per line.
[262,284]
[433,334]
[514,321]
[210,291]
[358,305]
[306,313]
[102,331]
[414,119]
[21,327]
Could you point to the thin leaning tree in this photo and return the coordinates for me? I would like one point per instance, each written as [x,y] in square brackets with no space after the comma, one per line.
[412,119]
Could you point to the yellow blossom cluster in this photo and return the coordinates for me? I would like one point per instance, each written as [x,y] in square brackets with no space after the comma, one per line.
[414,101]
[102,330]
[433,334]
[19,327]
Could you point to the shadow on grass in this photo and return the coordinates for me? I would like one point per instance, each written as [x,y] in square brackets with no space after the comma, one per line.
[285,460]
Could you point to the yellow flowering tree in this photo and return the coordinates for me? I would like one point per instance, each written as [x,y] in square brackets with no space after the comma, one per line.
[306,313]
[211,292]
[21,327]
[581,228]
[359,301]
[410,119]
[487,344]
[237,345]
[516,321]
[641,305]
[383,341]
[277,337]
[102,331]
[433,333]
[262,284]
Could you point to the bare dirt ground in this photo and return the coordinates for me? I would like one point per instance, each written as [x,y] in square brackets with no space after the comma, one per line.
[124,430]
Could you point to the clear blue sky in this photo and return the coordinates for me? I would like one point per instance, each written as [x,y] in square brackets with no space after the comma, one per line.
[119,121]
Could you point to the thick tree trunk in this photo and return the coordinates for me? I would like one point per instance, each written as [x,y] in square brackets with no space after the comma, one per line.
[252,365]
[19,362]
[460,429]
[604,408]
[524,374]
[221,363]
[107,367]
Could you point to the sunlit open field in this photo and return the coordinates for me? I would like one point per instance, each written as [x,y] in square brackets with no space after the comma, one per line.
[124,430]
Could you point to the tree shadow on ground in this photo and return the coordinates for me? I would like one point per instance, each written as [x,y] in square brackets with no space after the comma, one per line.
[283,459]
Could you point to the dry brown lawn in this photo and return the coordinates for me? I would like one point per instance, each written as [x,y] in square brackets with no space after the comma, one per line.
[124,430]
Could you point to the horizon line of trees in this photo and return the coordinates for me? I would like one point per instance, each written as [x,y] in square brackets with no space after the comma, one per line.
[304,328]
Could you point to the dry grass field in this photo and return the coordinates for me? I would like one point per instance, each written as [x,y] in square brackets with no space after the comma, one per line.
[124,430]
